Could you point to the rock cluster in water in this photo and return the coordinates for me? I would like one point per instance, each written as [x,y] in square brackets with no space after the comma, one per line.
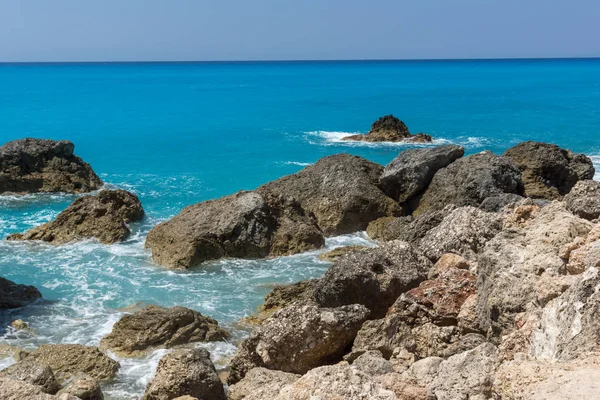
[390,129]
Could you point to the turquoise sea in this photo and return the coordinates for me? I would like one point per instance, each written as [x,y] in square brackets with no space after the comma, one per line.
[179,133]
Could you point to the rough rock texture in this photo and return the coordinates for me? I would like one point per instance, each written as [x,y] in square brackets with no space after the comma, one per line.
[409,174]
[185,372]
[425,370]
[83,387]
[390,129]
[469,181]
[409,229]
[34,373]
[38,165]
[244,225]
[341,190]
[497,203]
[582,254]
[584,200]
[372,277]
[388,228]
[446,262]
[282,296]
[299,338]
[67,360]
[13,295]
[372,362]
[103,216]
[261,383]
[12,389]
[156,326]
[548,171]
[337,253]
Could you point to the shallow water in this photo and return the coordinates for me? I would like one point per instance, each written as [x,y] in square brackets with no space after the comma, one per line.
[176,134]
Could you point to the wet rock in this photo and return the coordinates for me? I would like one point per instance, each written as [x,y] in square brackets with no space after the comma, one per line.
[19,325]
[33,372]
[185,372]
[68,360]
[548,171]
[38,165]
[13,295]
[469,181]
[12,389]
[261,383]
[244,225]
[390,129]
[373,277]
[299,338]
[584,200]
[341,190]
[155,326]
[282,296]
[103,216]
[83,387]
[409,174]
[335,254]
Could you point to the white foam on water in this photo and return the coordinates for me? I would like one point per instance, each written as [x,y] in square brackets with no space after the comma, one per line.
[301,164]
[596,160]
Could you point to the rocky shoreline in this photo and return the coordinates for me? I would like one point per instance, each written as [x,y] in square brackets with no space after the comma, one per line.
[483,284]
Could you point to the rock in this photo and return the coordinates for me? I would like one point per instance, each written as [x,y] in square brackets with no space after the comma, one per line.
[402,359]
[335,254]
[409,229]
[261,383]
[38,165]
[19,325]
[497,203]
[584,200]
[372,362]
[467,317]
[390,129]
[403,386]
[468,375]
[185,372]
[33,372]
[581,254]
[156,326]
[388,228]
[548,171]
[425,370]
[12,389]
[469,181]
[103,216]
[243,225]
[13,295]
[83,387]
[299,338]
[341,190]
[409,174]
[448,261]
[373,277]
[282,296]
[67,360]
[384,335]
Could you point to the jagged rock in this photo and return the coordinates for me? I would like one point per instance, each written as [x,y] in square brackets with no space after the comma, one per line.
[409,229]
[404,387]
[390,129]
[298,338]
[467,317]
[156,326]
[373,363]
[582,254]
[341,190]
[446,262]
[584,200]
[38,165]
[402,359]
[384,335]
[13,295]
[372,277]
[83,387]
[185,372]
[469,181]
[335,254]
[497,203]
[67,360]
[468,375]
[388,228]
[33,372]
[103,216]
[425,370]
[282,296]
[409,174]
[548,171]
[245,225]
[12,389]
[261,383]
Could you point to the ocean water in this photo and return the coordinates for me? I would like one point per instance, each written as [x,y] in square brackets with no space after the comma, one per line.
[177,134]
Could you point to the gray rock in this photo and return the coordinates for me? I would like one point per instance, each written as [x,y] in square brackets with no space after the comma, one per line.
[425,370]
[584,200]
[372,362]
[13,295]
[33,372]
[497,203]
[83,387]
[261,383]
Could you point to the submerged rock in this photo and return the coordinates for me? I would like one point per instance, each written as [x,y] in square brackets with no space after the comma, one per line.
[39,165]
[103,216]
[13,295]
[156,326]
[185,372]
[244,225]
[390,129]
[336,254]
[584,200]
[33,372]
[342,191]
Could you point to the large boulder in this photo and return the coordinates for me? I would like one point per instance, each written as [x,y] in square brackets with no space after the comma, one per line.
[13,295]
[38,165]
[103,216]
[13,389]
[409,174]
[341,190]
[155,326]
[261,384]
[33,372]
[469,181]
[298,338]
[390,129]
[185,372]
[243,225]
[548,171]
[373,277]
[584,200]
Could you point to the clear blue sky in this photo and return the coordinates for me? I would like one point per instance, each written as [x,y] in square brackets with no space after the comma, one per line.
[137,30]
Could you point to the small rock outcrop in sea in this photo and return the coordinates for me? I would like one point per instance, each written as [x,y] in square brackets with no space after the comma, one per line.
[409,174]
[103,216]
[39,165]
[13,295]
[261,383]
[548,171]
[83,387]
[390,129]
[584,200]
[33,372]
[244,225]
[185,372]
[155,326]
[342,191]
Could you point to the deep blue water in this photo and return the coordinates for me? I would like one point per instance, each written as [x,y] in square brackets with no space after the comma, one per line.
[176,134]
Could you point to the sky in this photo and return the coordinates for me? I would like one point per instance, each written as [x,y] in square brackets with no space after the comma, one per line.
[205,30]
